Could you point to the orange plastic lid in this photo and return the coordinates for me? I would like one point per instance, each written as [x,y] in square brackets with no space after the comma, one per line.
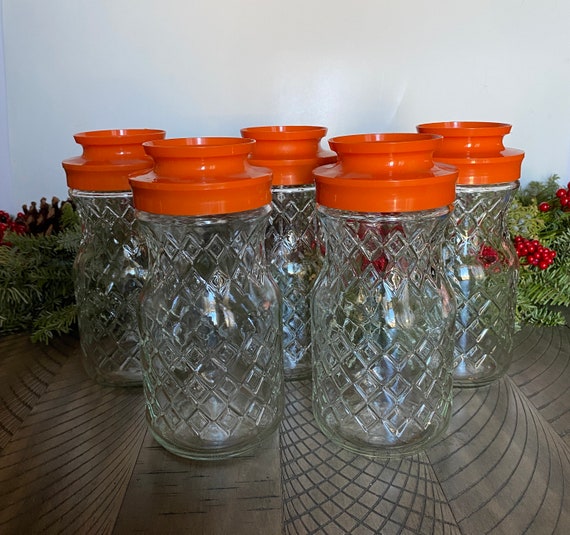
[385,173]
[201,176]
[476,148]
[109,159]
[290,151]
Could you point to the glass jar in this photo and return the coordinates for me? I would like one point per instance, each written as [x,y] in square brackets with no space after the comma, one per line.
[292,152]
[210,310]
[109,266]
[382,309]
[480,256]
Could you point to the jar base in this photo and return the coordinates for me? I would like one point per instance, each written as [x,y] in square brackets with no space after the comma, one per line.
[121,380]
[476,382]
[210,454]
[385,452]
[121,373]
[466,375]
[297,375]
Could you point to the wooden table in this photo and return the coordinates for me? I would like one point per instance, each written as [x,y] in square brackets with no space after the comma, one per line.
[77,458]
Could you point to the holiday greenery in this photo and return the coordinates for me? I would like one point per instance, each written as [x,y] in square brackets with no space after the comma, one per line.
[38,247]
[37,250]
[539,222]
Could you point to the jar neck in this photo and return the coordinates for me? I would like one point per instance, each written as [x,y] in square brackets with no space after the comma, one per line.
[114,152]
[223,244]
[483,209]
[79,195]
[103,209]
[391,164]
[302,189]
[382,243]
[198,168]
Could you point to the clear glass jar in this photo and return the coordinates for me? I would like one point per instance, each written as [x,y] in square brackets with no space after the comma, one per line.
[382,307]
[209,310]
[210,323]
[480,257]
[108,273]
[109,266]
[383,331]
[482,266]
[292,152]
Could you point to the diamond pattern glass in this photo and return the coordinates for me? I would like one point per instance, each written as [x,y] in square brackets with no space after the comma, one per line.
[109,269]
[382,318]
[483,269]
[295,262]
[210,324]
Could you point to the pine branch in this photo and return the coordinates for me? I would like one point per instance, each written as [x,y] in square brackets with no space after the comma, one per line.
[37,252]
[536,315]
[539,191]
[50,323]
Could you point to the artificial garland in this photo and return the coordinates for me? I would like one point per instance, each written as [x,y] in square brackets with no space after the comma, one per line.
[539,222]
[38,247]
[37,250]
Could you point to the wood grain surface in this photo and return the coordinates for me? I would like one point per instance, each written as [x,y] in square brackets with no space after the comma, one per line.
[168,494]
[76,457]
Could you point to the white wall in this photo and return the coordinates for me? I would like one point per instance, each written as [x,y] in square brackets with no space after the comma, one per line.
[6,183]
[209,67]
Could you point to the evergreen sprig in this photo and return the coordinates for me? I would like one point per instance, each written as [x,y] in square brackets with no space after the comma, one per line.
[36,280]
[540,291]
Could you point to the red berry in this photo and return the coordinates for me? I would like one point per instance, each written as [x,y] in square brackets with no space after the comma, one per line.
[564,201]
[561,193]
[544,207]
[531,252]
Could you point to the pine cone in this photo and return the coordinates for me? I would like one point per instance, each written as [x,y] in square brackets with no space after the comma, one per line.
[44,220]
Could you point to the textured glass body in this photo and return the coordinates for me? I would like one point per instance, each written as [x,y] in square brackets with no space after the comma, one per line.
[295,262]
[210,323]
[383,331]
[109,269]
[483,269]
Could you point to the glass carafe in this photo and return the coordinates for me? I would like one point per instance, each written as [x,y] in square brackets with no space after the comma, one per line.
[382,307]
[480,257]
[210,310]
[292,152]
[109,266]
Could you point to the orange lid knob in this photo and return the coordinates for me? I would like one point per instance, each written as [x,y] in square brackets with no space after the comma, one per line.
[109,158]
[291,152]
[385,173]
[476,148]
[201,176]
